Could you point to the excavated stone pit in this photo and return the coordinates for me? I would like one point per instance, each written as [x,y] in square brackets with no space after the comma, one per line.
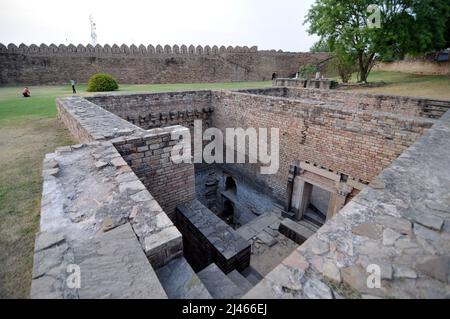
[362,180]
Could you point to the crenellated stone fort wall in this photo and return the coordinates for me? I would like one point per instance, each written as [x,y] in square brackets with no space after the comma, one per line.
[32,65]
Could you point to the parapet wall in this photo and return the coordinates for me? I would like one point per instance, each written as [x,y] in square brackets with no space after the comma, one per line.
[159,109]
[404,105]
[146,64]
[147,152]
[418,66]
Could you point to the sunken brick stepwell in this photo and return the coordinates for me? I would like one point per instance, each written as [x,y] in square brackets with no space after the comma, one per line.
[343,191]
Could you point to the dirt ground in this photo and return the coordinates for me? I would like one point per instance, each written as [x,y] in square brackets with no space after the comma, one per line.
[265,258]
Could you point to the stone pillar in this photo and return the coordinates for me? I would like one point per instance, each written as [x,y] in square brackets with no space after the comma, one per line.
[335,204]
[301,196]
[337,200]
[290,187]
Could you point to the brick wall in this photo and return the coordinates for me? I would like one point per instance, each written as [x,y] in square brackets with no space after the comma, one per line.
[149,157]
[33,65]
[375,102]
[358,143]
[159,109]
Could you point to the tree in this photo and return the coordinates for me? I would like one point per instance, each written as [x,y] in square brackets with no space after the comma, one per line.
[406,27]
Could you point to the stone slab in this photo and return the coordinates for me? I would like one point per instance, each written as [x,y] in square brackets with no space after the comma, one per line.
[181,282]
[111,265]
[218,284]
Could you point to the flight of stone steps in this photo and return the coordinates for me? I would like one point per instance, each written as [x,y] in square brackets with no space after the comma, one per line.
[181,282]
[435,108]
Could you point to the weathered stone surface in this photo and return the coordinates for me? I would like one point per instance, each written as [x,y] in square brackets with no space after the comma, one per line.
[100,164]
[107,224]
[131,187]
[142,196]
[426,233]
[430,221]
[85,202]
[155,241]
[180,281]
[390,236]
[401,271]
[240,281]
[296,261]
[266,238]
[218,284]
[319,247]
[46,240]
[118,162]
[331,271]
[436,267]
[369,230]
[355,277]
[111,265]
[114,266]
[316,289]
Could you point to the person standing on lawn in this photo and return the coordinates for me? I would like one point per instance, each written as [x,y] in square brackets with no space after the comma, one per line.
[72,82]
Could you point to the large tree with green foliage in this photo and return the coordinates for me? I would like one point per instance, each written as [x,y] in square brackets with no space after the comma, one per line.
[407,27]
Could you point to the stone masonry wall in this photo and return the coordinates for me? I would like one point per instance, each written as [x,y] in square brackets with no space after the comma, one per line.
[354,142]
[159,109]
[146,152]
[208,239]
[37,65]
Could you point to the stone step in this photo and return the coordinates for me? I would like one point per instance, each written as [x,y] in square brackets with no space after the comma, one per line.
[240,281]
[308,224]
[180,281]
[296,231]
[314,217]
[290,215]
[218,284]
[252,275]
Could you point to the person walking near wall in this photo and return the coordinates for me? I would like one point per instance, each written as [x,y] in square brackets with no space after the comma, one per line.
[72,82]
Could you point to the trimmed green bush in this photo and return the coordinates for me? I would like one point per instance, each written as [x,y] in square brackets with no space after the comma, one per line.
[102,82]
[308,71]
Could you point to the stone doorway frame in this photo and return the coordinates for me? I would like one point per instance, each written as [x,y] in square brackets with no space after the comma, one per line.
[301,179]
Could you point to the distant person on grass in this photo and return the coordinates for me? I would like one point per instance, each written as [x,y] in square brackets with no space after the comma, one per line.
[26,92]
[72,82]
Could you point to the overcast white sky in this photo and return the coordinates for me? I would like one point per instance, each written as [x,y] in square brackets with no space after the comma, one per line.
[269,24]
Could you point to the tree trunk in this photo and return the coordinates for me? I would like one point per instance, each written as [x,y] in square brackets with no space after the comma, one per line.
[364,66]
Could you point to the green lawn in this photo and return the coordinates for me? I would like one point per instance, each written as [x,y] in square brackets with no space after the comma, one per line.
[28,130]
[42,101]
[397,83]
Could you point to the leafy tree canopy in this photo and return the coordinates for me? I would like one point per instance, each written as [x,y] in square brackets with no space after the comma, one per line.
[406,27]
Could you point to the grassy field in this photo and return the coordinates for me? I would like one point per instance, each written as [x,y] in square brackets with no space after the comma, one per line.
[396,83]
[28,130]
